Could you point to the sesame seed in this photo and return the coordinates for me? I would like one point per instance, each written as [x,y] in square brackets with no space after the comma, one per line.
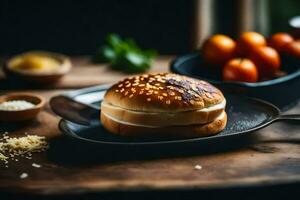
[130,96]
[168,102]
[141,92]
[141,85]
[128,85]
[208,95]
[122,90]
[116,90]
[148,99]
[121,85]
[194,87]
[135,84]
[165,94]
[126,93]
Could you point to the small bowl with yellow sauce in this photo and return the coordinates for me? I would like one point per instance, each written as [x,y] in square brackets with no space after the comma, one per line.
[38,66]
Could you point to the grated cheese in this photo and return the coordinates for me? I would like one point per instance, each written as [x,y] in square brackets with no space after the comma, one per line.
[1,146]
[29,143]
[11,147]
[3,157]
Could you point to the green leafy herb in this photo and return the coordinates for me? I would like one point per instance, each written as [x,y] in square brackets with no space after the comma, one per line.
[125,55]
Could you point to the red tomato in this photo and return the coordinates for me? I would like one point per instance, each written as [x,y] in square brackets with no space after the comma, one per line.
[267,61]
[293,48]
[280,41]
[249,41]
[218,49]
[240,69]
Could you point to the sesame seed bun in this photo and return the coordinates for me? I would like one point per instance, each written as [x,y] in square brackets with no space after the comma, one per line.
[163,92]
[152,102]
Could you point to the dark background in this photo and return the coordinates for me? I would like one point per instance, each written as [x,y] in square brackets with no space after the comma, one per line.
[79,27]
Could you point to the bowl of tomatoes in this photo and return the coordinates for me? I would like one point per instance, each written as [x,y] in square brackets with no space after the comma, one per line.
[251,65]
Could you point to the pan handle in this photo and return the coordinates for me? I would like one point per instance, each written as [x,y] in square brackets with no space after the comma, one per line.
[74,111]
[289,117]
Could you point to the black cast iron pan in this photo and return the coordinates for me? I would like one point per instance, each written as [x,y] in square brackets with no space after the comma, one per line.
[80,112]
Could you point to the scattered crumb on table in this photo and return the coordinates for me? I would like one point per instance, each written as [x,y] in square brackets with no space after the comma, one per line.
[198,167]
[23,175]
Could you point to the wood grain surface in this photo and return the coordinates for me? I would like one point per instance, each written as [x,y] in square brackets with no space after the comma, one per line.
[269,156]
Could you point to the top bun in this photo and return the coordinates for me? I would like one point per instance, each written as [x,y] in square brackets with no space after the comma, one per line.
[163,92]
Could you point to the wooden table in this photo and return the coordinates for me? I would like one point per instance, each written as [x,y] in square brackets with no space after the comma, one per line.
[271,156]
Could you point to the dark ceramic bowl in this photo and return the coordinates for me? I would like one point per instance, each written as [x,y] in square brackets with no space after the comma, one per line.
[282,92]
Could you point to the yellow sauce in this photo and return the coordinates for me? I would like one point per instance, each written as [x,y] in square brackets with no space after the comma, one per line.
[35,63]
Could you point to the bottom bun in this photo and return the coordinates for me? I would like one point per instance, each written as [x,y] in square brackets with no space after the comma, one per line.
[188,131]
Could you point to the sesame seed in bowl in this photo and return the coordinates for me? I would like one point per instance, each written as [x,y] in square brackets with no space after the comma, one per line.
[16,107]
